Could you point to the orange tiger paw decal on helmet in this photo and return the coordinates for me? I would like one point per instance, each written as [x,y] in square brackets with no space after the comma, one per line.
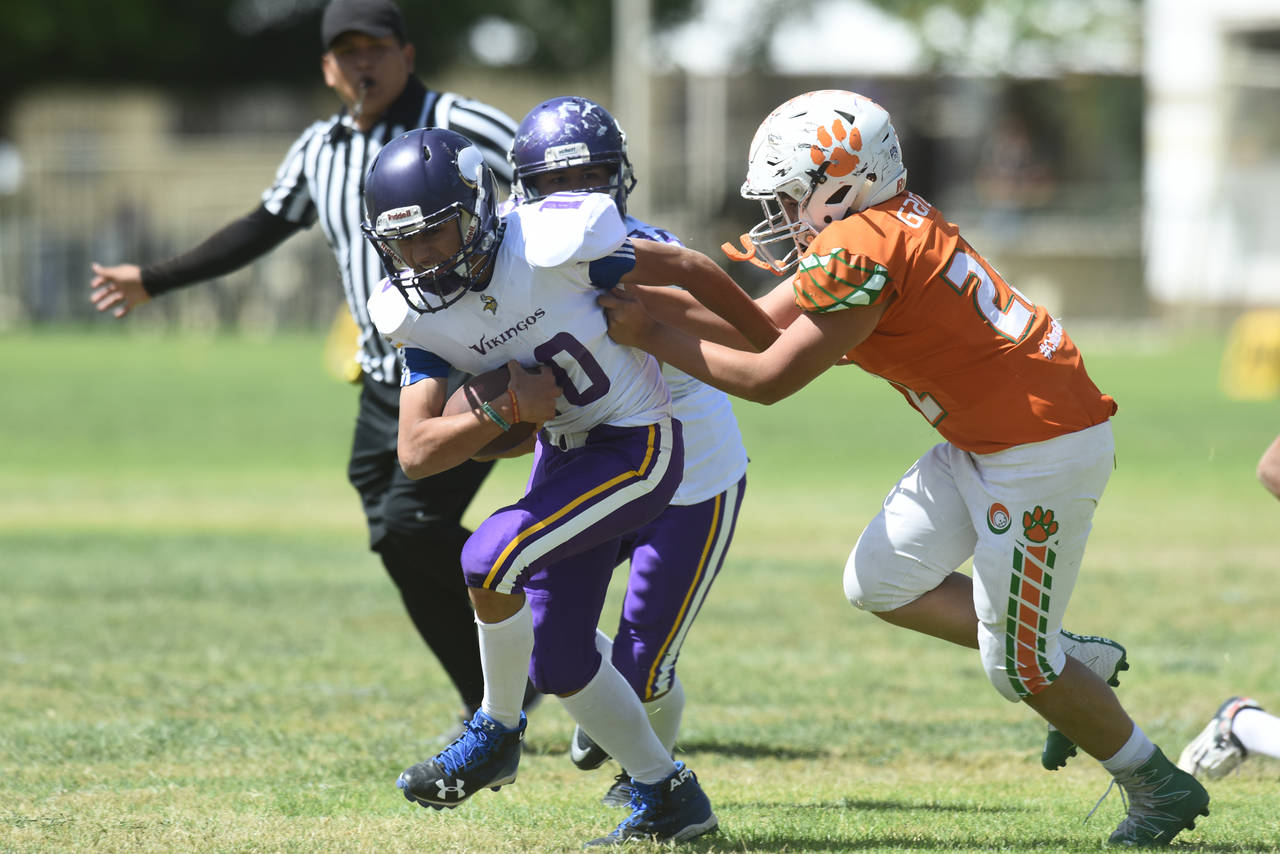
[837,146]
[1038,525]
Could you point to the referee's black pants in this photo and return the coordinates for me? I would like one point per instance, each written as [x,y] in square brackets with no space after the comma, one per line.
[415,526]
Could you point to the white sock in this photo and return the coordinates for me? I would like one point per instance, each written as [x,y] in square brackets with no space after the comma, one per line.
[505,649]
[665,713]
[611,713]
[1258,731]
[1127,759]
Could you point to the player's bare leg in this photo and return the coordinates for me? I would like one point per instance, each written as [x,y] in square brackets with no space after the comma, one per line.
[1163,800]
[944,612]
[947,612]
[1085,708]
[494,607]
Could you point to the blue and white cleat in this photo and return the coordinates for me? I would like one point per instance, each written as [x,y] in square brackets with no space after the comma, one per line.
[675,810]
[485,756]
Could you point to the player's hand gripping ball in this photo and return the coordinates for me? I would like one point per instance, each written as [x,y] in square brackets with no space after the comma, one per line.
[485,388]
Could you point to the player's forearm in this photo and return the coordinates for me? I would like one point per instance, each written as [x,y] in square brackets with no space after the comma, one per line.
[679,308]
[433,445]
[742,374]
[713,287]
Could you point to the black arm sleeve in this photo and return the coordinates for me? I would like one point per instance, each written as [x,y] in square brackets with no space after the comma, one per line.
[228,249]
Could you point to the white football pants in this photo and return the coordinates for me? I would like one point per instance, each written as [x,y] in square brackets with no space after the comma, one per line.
[1023,514]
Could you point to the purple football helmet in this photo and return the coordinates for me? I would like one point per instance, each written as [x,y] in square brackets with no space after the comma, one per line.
[424,180]
[571,131]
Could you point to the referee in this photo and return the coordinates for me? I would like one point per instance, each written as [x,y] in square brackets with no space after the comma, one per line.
[414,526]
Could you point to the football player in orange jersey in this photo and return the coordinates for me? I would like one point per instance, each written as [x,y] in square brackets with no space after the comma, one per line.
[883,281]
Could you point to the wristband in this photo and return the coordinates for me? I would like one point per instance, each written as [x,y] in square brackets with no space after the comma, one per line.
[494,416]
[515,407]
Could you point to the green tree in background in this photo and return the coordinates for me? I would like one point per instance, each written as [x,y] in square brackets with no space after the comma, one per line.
[220,44]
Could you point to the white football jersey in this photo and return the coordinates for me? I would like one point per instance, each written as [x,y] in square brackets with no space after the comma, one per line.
[540,308]
[714,456]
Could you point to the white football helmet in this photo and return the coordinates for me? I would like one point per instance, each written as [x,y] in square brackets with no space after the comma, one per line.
[816,159]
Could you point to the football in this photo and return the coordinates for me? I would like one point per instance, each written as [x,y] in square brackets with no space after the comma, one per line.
[487,387]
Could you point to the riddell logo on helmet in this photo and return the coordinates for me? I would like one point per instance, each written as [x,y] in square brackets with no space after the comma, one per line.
[570,154]
[398,217]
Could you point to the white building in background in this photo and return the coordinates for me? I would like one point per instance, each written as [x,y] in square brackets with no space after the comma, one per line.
[1212,164]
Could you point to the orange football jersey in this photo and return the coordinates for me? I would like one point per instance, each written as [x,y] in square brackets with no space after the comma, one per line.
[984,365]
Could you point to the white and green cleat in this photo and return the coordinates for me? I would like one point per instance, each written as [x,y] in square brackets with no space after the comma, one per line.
[1104,657]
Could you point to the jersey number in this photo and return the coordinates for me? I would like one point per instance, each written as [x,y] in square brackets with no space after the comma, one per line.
[563,346]
[925,404]
[913,210]
[1010,315]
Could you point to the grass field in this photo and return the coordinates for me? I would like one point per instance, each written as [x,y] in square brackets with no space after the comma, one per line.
[197,653]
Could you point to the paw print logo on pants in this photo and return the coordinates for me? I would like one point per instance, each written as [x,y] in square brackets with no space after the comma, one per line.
[1038,524]
[836,147]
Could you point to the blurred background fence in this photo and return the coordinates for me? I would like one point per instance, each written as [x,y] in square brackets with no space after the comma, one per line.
[1134,183]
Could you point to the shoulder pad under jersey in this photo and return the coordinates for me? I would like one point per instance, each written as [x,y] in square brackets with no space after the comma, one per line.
[569,227]
[390,314]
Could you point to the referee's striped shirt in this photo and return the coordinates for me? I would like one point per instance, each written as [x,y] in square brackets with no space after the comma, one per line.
[322,178]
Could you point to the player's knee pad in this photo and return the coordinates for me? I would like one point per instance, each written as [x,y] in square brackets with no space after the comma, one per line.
[1016,668]
[476,558]
[877,578]
[481,552]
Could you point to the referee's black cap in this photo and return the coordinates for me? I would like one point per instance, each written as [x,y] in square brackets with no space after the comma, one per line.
[377,18]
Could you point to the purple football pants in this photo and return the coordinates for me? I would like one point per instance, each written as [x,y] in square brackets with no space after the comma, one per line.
[560,542]
[674,561]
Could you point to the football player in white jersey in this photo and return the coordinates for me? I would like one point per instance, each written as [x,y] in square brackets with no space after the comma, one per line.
[470,290]
[573,144]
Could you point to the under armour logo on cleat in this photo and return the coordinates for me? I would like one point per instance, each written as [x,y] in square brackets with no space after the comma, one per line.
[444,790]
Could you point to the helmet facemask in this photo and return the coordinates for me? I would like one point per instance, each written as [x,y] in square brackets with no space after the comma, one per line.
[443,283]
[620,183]
[784,223]
[432,185]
